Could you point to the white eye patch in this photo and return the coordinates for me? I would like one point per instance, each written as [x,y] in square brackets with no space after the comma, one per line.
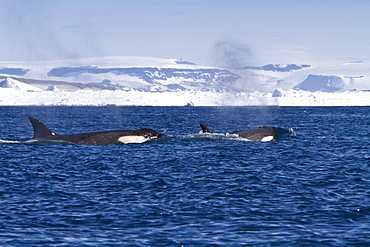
[267,139]
[132,139]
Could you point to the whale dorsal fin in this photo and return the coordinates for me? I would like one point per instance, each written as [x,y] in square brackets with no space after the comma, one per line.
[205,129]
[40,131]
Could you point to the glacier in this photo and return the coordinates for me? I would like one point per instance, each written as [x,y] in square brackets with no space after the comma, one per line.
[176,82]
[321,83]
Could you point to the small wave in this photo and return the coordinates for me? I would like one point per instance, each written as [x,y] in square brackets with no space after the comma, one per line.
[215,136]
[292,132]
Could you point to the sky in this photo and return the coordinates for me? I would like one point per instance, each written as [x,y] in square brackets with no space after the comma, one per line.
[229,33]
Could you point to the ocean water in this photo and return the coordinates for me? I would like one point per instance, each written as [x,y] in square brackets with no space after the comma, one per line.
[187,189]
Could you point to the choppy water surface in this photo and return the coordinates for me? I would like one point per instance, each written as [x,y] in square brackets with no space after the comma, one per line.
[187,189]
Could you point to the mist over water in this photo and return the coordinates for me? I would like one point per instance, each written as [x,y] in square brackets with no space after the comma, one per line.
[231,54]
[235,56]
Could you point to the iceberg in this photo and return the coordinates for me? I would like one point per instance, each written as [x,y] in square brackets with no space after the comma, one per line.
[279,93]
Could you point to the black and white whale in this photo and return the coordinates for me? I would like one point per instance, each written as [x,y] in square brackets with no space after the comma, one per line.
[43,133]
[263,133]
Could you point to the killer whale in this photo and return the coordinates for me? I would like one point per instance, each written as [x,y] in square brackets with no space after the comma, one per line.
[204,129]
[264,133]
[43,133]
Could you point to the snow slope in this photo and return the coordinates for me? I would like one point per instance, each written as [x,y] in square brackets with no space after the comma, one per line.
[140,73]
[15,85]
[156,81]
[317,77]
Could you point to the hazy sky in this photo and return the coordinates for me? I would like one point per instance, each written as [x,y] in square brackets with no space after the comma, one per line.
[200,31]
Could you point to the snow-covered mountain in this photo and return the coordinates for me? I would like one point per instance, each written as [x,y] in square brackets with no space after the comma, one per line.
[12,71]
[153,78]
[17,85]
[335,77]
[279,67]
[321,83]
[124,73]
[158,75]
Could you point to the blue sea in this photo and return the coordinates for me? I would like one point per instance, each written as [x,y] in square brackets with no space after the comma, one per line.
[187,189]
